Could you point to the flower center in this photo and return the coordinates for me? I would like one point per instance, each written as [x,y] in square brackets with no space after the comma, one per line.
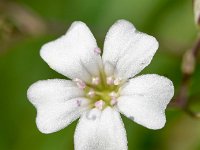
[102,91]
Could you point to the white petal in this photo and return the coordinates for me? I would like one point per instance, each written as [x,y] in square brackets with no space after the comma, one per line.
[105,132]
[127,51]
[145,98]
[73,54]
[58,103]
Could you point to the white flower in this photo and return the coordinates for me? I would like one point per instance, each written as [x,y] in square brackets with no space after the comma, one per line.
[101,87]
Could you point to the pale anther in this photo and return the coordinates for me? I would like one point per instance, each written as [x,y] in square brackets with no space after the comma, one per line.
[113,102]
[91,93]
[110,80]
[99,104]
[80,83]
[95,80]
[97,50]
[117,81]
[113,95]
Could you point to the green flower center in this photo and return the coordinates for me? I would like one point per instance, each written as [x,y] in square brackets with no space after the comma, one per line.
[102,91]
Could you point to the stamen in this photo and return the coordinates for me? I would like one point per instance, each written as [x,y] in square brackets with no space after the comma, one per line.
[113,95]
[110,80]
[80,83]
[113,102]
[95,80]
[97,51]
[117,81]
[91,93]
[99,104]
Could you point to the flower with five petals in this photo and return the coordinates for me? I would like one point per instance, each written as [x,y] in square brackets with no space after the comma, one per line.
[101,86]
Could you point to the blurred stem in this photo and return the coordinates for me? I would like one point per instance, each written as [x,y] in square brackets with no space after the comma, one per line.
[193,114]
[188,68]
[196,48]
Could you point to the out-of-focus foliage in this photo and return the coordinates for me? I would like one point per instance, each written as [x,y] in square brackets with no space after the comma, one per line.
[170,21]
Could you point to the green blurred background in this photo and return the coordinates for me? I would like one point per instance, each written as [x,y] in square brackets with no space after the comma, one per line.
[25,25]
